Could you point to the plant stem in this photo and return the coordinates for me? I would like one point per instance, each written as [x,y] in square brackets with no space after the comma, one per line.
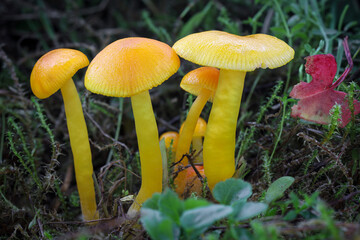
[280,129]
[118,127]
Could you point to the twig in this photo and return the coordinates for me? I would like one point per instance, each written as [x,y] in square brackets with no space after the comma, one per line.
[41,228]
[348,69]
[107,166]
[345,198]
[104,133]
[56,14]
[330,153]
[84,222]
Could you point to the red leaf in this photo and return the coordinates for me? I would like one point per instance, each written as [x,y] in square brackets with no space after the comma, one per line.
[319,96]
[316,108]
[322,68]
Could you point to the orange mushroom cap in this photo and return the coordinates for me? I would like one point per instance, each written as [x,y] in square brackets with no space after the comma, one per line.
[143,64]
[228,51]
[54,69]
[200,78]
[168,137]
[192,182]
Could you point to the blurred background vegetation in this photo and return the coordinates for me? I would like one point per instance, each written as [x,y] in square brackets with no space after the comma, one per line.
[38,197]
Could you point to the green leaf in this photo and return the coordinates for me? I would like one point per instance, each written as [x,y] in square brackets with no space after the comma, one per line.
[245,210]
[158,226]
[291,215]
[278,31]
[48,235]
[232,190]
[277,188]
[192,203]
[153,202]
[194,21]
[308,48]
[298,27]
[197,220]
[171,206]
[34,220]
[165,177]
[236,233]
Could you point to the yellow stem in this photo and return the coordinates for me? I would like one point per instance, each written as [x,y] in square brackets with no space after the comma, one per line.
[80,147]
[197,143]
[149,149]
[219,140]
[188,129]
[185,137]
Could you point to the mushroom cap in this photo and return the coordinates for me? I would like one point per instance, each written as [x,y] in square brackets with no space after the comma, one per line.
[228,51]
[129,66]
[200,128]
[203,77]
[168,137]
[54,69]
[192,183]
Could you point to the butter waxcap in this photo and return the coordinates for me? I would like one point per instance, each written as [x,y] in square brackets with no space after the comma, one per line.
[54,69]
[200,78]
[228,51]
[129,66]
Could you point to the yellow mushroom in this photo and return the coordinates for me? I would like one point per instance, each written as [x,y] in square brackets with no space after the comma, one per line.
[192,183]
[171,140]
[129,68]
[187,181]
[197,139]
[201,82]
[234,55]
[52,72]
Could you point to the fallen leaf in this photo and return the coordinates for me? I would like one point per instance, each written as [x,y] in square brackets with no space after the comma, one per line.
[319,96]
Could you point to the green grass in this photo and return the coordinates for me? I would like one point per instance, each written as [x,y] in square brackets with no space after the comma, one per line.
[38,195]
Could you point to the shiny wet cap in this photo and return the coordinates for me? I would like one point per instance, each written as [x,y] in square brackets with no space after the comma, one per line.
[200,78]
[232,52]
[54,69]
[129,66]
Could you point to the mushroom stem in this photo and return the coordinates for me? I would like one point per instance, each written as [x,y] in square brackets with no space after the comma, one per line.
[149,149]
[219,140]
[187,132]
[186,136]
[197,143]
[80,147]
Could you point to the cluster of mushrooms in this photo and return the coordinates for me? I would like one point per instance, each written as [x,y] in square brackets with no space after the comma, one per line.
[130,67]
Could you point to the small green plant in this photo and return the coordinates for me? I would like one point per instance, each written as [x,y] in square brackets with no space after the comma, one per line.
[301,207]
[165,216]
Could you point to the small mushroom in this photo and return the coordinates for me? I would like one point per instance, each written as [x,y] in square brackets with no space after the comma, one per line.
[197,139]
[185,174]
[201,82]
[54,71]
[171,140]
[192,183]
[234,55]
[130,67]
